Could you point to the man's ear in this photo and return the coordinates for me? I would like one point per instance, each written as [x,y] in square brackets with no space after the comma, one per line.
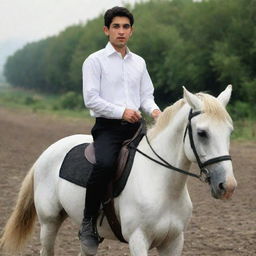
[106,30]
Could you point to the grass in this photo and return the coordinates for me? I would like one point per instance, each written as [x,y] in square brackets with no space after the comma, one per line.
[244,130]
[16,98]
[70,105]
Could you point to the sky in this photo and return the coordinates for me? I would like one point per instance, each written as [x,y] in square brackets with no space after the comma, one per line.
[23,21]
[36,19]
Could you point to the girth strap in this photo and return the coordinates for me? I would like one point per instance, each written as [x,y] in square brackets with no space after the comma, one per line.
[109,211]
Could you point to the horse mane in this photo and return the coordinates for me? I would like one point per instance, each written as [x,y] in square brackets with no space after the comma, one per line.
[211,107]
[165,117]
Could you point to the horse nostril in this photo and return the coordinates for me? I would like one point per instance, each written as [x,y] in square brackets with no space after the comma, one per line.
[222,187]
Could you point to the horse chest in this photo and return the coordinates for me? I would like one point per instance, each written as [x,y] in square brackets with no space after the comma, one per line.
[160,222]
[174,212]
[165,227]
[173,221]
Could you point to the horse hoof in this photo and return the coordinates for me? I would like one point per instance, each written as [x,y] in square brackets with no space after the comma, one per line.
[85,251]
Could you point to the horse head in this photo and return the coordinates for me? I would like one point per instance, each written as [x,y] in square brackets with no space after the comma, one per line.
[207,140]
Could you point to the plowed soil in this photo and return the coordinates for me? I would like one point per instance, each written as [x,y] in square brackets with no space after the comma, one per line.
[226,228]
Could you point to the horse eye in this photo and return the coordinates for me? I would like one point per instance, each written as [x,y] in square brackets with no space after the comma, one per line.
[202,133]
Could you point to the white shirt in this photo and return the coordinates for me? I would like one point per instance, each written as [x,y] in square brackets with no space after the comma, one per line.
[112,83]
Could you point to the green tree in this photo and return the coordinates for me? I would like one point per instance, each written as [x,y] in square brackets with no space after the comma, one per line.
[26,68]
[202,45]
[58,59]
[91,40]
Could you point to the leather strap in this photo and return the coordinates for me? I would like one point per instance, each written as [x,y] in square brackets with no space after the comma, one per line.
[216,159]
[164,162]
[109,211]
[203,171]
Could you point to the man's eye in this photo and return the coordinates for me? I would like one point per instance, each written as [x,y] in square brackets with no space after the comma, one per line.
[116,26]
[127,26]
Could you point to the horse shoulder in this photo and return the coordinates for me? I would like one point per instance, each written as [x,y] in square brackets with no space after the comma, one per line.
[145,204]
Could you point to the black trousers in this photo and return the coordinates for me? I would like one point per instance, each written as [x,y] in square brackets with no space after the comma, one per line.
[108,135]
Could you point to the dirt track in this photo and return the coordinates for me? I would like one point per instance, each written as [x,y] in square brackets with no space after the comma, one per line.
[217,228]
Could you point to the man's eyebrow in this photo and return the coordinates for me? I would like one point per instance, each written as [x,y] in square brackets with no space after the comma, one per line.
[121,24]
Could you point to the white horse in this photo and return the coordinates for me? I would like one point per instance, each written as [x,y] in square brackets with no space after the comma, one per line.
[155,207]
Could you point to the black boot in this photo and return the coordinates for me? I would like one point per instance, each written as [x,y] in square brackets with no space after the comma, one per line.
[88,236]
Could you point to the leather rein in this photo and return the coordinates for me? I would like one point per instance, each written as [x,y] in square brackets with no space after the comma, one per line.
[204,173]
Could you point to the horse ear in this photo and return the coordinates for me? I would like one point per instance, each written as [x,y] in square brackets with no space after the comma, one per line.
[192,99]
[224,97]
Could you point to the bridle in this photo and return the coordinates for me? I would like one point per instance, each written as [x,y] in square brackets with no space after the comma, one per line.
[204,173]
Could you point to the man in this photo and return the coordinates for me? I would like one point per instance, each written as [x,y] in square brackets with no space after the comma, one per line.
[116,85]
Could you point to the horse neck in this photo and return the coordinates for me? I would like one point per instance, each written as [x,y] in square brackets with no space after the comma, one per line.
[169,145]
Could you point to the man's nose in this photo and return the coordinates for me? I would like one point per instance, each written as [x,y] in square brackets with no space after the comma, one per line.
[121,31]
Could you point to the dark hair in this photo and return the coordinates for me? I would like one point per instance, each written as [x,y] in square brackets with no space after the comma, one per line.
[117,12]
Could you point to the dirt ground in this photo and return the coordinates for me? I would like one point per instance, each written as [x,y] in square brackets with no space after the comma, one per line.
[226,228]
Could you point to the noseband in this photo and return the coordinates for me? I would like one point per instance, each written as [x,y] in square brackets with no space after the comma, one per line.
[204,173]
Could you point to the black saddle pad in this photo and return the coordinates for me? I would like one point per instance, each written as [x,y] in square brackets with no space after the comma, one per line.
[75,167]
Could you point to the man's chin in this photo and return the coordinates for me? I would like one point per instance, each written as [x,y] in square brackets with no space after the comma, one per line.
[119,44]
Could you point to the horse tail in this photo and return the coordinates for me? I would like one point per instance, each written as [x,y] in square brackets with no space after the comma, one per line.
[21,222]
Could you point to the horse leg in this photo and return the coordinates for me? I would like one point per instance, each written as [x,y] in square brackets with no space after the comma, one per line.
[138,244]
[48,233]
[173,247]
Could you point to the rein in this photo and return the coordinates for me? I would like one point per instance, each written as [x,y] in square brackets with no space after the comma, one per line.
[204,173]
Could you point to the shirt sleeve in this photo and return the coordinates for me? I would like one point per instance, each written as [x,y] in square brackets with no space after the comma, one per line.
[147,93]
[91,92]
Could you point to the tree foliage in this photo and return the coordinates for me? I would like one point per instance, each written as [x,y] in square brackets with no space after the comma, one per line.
[202,45]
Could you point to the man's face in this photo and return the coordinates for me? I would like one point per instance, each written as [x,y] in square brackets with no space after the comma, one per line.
[119,31]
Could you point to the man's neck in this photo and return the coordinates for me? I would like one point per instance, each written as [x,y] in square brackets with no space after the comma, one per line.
[122,50]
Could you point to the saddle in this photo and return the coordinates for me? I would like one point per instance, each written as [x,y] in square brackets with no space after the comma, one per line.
[124,161]
[115,187]
[78,165]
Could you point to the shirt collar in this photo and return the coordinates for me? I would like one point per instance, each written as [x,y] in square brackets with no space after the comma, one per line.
[109,49]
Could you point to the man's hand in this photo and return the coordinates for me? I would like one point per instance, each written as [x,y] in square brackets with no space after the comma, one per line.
[131,116]
[155,113]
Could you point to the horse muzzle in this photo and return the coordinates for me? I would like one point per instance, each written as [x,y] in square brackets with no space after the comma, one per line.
[228,188]
[222,186]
